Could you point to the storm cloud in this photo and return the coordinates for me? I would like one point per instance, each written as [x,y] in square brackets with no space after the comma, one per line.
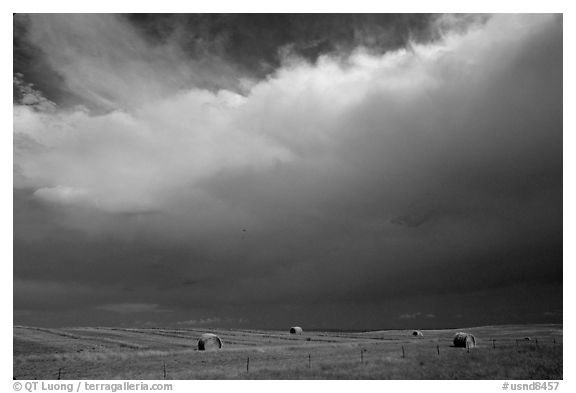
[342,190]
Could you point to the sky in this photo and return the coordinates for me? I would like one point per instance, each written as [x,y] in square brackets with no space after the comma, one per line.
[263,171]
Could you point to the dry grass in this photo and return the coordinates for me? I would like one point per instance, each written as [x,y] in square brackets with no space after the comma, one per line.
[111,353]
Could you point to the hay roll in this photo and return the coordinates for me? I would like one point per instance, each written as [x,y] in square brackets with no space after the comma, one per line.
[296,330]
[464,340]
[209,342]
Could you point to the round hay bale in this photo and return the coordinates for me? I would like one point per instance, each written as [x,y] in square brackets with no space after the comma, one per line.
[464,340]
[209,342]
[296,330]
[417,333]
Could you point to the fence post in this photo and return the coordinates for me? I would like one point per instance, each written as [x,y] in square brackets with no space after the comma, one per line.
[248,364]
[164,370]
[309,361]
[59,370]
[403,354]
[438,350]
[493,344]
[362,356]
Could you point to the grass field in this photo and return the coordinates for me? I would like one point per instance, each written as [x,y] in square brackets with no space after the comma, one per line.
[158,353]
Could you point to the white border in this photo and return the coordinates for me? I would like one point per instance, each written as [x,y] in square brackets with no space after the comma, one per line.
[323,6]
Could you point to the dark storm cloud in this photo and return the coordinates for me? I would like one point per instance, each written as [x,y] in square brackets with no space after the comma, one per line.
[348,190]
[256,43]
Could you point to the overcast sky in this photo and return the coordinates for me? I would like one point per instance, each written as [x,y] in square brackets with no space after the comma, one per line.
[330,171]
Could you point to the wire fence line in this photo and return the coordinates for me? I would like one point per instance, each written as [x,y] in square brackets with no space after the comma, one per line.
[365,354]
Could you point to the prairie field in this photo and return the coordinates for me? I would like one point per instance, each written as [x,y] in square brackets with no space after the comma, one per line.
[502,352]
